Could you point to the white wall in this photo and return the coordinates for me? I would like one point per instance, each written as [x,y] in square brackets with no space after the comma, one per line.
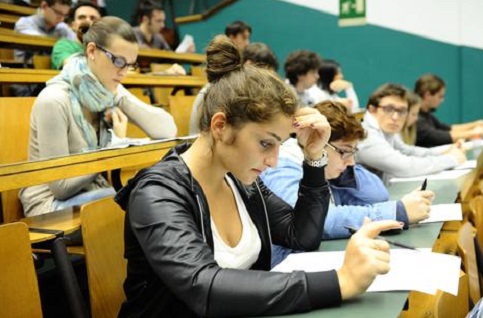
[457,22]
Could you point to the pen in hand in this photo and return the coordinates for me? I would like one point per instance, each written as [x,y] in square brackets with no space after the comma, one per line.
[353,231]
[424,185]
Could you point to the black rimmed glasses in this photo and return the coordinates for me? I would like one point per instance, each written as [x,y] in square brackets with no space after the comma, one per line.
[58,13]
[391,109]
[118,61]
[344,154]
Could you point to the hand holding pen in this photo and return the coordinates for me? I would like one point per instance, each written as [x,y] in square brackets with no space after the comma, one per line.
[418,203]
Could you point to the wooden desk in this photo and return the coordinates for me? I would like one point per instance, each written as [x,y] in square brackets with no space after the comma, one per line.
[12,39]
[19,175]
[18,75]
[15,9]
[153,55]
[8,20]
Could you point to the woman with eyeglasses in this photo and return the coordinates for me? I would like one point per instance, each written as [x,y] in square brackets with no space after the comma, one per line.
[82,107]
[384,152]
[355,192]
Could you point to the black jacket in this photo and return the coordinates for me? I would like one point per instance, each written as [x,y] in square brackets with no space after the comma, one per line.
[169,247]
[431,132]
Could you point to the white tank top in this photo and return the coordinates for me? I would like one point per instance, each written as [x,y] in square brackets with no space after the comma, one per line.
[245,253]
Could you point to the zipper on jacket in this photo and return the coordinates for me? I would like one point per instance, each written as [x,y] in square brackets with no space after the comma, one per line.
[201,217]
[266,218]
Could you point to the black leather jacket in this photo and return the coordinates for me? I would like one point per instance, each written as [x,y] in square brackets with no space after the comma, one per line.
[169,247]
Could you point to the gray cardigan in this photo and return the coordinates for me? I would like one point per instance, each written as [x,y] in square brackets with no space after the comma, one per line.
[54,133]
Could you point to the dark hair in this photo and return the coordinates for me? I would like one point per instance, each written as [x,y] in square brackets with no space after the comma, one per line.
[244,93]
[237,27]
[260,55]
[388,89]
[300,63]
[84,3]
[428,83]
[145,8]
[61,2]
[102,30]
[327,71]
[344,126]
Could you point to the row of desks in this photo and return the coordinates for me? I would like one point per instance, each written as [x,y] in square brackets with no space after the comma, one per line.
[18,75]
[14,40]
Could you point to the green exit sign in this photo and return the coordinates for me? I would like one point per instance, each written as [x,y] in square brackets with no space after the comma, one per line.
[352,12]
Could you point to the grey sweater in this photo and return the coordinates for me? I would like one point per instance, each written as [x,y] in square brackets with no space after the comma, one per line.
[54,133]
[388,156]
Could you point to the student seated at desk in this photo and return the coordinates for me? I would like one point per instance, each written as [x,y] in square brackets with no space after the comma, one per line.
[76,109]
[384,152]
[80,13]
[199,224]
[355,192]
[302,72]
[430,131]
[331,82]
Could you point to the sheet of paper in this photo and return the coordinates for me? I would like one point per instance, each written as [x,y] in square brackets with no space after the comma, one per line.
[444,212]
[443,175]
[419,270]
[185,44]
[469,164]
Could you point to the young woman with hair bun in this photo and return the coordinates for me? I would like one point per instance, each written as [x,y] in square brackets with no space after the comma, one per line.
[200,223]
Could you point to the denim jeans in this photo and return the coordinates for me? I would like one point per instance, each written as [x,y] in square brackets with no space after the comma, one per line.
[82,198]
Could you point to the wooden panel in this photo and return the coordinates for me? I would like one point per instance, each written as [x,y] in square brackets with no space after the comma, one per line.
[19,292]
[466,250]
[180,107]
[15,9]
[103,236]
[14,138]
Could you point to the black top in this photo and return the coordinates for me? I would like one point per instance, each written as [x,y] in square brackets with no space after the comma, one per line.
[169,247]
[431,132]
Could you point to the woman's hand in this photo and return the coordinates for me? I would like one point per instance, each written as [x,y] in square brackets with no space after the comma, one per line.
[365,258]
[313,131]
[118,120]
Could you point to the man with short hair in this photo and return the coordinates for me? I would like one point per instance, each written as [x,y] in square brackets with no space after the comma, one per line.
[384,152]
[83,12]
[239,32]
[302,71]
[430,131]
[151,18]
[48,21]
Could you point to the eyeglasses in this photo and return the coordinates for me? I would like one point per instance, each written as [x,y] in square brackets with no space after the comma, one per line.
[391,109]
[58,13]
[344,154]
[118,61]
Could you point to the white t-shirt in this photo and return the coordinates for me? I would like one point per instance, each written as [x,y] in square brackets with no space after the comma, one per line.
[245,253]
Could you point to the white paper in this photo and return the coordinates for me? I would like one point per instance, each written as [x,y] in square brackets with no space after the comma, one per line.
[443,175]
[119,143]
[419,270]
[468,164]
[185,44]
[445,212]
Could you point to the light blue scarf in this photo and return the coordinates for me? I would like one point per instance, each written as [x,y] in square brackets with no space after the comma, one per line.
[86,91]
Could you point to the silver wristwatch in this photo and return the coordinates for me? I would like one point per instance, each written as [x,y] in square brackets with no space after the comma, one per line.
[322,161]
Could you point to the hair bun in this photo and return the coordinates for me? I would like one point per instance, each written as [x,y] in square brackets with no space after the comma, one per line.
[222,57]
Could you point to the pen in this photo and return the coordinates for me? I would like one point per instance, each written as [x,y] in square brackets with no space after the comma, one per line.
[353,231]
[425,183]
